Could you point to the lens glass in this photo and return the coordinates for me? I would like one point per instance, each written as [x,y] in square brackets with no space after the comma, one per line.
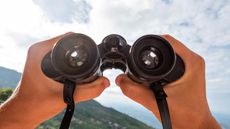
[150,58]
[77,56]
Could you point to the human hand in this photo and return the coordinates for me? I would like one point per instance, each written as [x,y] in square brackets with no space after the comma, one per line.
[38,98]
[187,101]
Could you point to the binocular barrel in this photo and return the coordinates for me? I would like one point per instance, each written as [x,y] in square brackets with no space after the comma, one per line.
[77,58]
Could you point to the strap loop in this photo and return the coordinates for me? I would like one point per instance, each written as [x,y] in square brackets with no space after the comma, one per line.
[158,90]
[162,104]
[68,93]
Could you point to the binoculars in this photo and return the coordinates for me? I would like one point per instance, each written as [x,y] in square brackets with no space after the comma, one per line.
[77,58]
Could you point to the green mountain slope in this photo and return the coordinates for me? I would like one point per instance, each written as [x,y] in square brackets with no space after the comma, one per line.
[92,115]
[88,115]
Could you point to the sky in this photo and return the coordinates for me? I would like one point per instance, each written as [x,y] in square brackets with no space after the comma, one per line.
[202,25]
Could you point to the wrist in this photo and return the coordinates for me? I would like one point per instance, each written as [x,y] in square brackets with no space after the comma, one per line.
[210,123]
[190,118]
[14,113]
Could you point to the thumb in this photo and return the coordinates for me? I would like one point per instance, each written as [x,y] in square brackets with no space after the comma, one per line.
[137,92]
[91,90]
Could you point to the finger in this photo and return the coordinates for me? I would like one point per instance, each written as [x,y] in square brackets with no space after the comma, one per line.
[36,53]
[137,92]
[188,56]
[179,47]
[91,90]
[39,49]
[50,42]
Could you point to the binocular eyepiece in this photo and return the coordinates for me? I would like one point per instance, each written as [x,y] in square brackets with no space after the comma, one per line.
[77,58]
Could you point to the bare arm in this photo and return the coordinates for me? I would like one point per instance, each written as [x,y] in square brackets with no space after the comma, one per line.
[186,97]
[38,98]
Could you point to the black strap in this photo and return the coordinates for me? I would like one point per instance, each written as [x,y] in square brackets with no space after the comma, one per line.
[162,104]
[158,90]
[68,93]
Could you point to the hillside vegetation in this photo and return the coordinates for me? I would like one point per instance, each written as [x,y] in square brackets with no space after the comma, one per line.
[88,115]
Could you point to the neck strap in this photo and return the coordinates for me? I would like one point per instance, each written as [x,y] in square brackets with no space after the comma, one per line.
[68,93]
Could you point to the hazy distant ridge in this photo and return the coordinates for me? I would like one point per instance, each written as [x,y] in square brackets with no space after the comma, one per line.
[9,77]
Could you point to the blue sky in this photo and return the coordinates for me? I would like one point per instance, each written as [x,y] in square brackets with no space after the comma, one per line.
[202,25]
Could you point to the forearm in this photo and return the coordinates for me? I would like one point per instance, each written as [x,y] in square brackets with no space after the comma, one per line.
[191,119]
[24,112]
[211,123]
[15,113]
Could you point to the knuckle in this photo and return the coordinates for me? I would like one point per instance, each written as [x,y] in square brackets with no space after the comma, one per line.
[33,48]
[200,62]
[69,32]
[167,35]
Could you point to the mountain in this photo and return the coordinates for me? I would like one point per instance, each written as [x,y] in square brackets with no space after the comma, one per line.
[92,115]
[88,115]
[9,77]
[89,112]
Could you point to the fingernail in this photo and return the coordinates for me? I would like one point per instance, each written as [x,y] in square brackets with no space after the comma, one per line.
[106,83]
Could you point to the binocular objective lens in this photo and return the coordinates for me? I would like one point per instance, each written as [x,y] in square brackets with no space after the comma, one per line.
[76,57]
[150,58]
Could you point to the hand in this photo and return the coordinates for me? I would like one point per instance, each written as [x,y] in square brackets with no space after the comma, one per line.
[186,97]
[38,98]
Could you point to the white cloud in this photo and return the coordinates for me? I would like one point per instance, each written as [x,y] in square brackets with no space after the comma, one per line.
[203,26]
[65,11]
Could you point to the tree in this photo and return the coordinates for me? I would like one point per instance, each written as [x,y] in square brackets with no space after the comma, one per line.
[5,93]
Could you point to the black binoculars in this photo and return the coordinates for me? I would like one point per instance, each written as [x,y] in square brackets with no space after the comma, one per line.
[77,58]
[150,61]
